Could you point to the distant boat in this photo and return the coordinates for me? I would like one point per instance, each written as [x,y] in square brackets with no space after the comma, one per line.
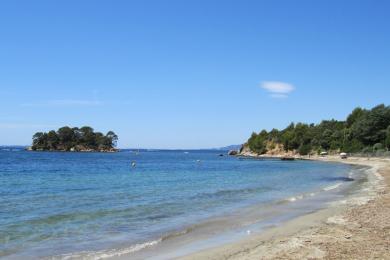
[287,158]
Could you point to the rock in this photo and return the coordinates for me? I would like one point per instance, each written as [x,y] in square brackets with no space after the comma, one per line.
[232,152]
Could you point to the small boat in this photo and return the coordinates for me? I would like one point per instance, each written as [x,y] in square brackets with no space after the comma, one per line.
[343,156]
[287,158]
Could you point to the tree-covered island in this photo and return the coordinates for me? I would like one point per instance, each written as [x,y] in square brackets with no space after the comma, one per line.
[83,139]
[363,131]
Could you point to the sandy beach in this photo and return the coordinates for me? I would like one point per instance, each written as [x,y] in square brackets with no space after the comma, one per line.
[355,228]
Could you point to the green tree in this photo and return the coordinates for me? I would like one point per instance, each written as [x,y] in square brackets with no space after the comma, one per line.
[257,142]
[304,149]
[356,115]
[52,140]
[112,138]
[368,129]
[66,137]
[377,147]
[387,142]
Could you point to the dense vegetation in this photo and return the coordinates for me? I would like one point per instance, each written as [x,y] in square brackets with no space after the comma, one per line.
[74,139]
[363,131]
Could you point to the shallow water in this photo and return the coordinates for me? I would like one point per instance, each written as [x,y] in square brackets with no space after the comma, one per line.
[66,204]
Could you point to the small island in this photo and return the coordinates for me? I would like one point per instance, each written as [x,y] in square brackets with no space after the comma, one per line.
[75,139]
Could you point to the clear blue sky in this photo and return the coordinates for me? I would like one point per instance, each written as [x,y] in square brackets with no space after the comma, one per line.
[188,74]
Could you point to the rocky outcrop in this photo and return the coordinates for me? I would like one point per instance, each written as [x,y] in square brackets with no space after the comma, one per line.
[273,150]
[233,152]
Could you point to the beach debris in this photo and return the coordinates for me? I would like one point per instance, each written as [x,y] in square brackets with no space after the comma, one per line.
[348,236]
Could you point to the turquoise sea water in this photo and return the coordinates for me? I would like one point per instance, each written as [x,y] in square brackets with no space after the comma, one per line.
[59,204]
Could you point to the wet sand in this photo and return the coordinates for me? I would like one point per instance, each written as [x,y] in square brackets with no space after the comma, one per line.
[355,228]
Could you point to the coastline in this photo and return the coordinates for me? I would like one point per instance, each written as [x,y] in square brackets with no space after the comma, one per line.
[111,150]
[269,226]
[357,227]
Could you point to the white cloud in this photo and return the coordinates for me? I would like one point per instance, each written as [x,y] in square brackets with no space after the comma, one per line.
[278,89]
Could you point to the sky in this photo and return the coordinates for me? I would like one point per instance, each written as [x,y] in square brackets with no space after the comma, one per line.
[188,74]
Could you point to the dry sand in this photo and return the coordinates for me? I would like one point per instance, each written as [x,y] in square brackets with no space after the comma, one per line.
[356,228]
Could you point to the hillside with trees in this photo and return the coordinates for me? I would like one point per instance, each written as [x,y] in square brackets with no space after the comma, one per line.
[363,131]
[74,139]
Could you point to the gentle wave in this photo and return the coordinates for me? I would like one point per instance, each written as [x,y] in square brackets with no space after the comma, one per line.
[120,251]
[107,253]
[224,193]
[295,198]
[299,197]
[311,194]
[332,187]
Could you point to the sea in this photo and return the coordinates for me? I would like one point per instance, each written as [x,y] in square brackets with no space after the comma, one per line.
[155,204]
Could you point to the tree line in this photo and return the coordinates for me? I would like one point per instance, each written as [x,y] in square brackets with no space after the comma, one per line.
[74,139]
[364,130]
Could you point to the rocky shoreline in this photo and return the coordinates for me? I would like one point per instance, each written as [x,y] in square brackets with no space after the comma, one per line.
[83,150]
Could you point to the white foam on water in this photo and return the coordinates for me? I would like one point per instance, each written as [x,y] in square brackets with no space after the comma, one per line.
[295,198]
[332,187]
[108,253]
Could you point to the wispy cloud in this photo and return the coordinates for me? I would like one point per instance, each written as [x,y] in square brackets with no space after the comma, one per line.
[64,102]
[277,89]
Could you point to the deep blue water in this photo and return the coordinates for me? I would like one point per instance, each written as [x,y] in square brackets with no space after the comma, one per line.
[55,203]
